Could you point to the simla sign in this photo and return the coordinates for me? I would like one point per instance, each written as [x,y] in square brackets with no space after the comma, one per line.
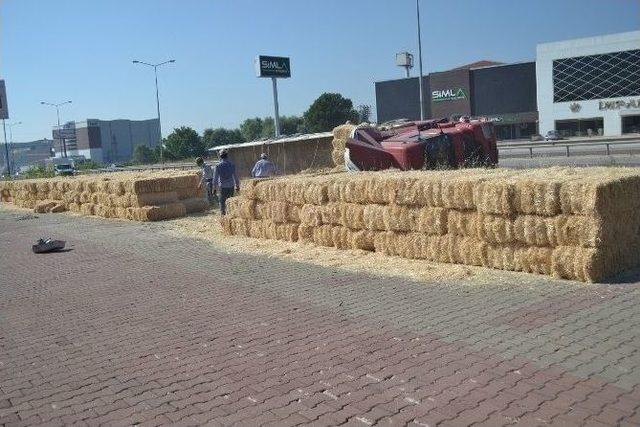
[451,94]
[272,66]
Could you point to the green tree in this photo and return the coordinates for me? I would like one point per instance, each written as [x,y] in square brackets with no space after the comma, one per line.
[143,154]
[184,142]
[268,128]
[251,129]
[221,136]
[364,113]
[39,171]
[291,124]
[329,111]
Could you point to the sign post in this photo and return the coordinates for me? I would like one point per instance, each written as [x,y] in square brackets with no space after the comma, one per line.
[275,67]
[4,114]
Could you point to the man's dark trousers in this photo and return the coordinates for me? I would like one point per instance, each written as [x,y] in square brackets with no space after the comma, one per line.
[225,193]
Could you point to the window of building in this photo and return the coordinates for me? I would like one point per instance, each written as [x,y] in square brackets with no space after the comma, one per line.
[582,127]
[602,76]
[631,124]
[516,131]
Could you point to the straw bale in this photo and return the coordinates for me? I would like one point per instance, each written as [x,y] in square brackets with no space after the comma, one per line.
[316,193]
[241,207]
[363,239]
[44,206]
[311,215]
[195,204]
[225,223]
[400,218]
[159,213]
[323,235]
[348,190]
[331,214]
[190,193]
[533,260]
[87,208]
[287,232]
[381,189]
[353,215]
[340,237]
[305,233]
[257,229]
[372,218]
[41,187]
[385,243]
[432,220]
[584,264]
[294,190]
[603,194]
[248,189]
[340,135]
[74,207]
[153,199]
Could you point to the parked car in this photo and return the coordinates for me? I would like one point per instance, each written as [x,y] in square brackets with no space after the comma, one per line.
[64,169]
[552,135]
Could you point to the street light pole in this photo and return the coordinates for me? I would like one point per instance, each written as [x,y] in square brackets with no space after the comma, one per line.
[155,71]
[6,148]
[64,142]
[420,61]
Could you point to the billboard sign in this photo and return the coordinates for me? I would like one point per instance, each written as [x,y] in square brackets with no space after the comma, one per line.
[272,66]
[450,94]
[4,108]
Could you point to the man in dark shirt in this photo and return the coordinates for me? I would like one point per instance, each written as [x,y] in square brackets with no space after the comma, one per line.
[226,178]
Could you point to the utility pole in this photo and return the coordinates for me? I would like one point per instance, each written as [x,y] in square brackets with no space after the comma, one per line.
[10,153]
[6,149]
[420,61]
[60,135]
[155,70]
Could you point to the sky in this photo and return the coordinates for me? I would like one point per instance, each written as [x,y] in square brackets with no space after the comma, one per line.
[79,50]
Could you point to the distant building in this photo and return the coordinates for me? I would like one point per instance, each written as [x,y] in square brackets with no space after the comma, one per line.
[578,88]
[25,154]
[105,141]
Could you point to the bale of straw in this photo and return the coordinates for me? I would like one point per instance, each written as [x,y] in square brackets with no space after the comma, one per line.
[154,199]
[305,233]
[372,218]
[241,207]
[353,215]
[311,215]
[44,206]
[340,135]
[194,205]
[159,213]
[323,235]
[432,220]
[332,213]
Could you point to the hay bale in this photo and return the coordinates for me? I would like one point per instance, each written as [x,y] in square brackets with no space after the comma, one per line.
[372,218]
[311,215]
[154,199]
[353,215]
[241,207]
[44,206]
[194,205]
[305,233]
[159,213]
[340,135]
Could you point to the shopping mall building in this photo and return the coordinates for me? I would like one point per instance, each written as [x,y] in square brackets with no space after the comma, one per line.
[582,87]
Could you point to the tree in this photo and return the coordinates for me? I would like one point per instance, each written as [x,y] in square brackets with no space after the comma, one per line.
[329,111]
[143,154]
[251,129]
[87,165]
[268,128]
[221,136]
[364,113]
[184,142]
[291,124]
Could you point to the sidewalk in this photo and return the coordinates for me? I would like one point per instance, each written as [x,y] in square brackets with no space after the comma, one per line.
[134,326]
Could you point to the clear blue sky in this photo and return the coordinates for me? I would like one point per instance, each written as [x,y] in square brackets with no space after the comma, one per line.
[82,50]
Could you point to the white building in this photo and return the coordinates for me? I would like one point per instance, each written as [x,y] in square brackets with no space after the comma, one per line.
[107,141]
[589,86]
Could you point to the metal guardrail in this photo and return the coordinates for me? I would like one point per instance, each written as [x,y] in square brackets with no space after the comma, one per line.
[567,146]
[140,168]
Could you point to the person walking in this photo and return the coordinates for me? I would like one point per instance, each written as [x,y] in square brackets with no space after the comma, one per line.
[206,178]
[226,178]
[264,167]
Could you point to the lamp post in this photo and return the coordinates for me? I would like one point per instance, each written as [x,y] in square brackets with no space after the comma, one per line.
[64,143]
[420,61]
[10,154]
[155,70]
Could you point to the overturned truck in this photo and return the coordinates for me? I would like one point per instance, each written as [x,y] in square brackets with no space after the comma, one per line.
[430,144]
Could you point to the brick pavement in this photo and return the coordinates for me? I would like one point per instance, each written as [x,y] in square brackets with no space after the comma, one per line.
[135,327]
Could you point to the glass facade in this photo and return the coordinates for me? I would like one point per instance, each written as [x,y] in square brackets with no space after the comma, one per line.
[581,127]
[609,75]
[631,124]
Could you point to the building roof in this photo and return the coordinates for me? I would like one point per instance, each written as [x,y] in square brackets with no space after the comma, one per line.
[478,64]
[309,136]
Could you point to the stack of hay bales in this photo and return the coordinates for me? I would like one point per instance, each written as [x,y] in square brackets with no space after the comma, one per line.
[581,224]
[339,142]
[148,196]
